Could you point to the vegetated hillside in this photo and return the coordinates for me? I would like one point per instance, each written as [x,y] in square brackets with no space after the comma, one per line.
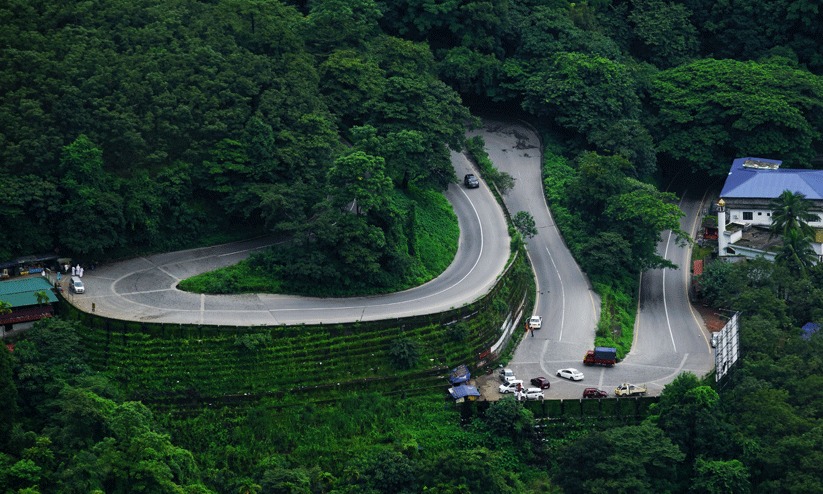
[327,407]
[141,126]
[68,428]
[151,124]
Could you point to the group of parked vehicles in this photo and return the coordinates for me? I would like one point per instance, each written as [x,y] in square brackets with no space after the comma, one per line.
[605,356]
[513,385]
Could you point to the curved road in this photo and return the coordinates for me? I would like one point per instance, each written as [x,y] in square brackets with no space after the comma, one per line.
[143,289]
[669,336]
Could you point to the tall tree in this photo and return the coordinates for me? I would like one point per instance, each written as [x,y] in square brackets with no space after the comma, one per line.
[688,413]
[720,477]
[666,36]
[791,211]
[359,180]
[8,393]
[797,253]
[638,459]
[641,214]
[710,111]
[524,222]
[582,92]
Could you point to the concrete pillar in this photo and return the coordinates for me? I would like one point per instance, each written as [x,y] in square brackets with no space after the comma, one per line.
[721,228]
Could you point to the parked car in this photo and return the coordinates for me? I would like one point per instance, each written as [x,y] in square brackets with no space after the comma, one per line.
[541,382]
[510,387]
[507,375]
[535,322]
[471,181]
[76,286]
[715,338]
[594,393]
[533,394]
[570,374]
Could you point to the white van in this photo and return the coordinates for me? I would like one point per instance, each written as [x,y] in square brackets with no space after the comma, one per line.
[76,285]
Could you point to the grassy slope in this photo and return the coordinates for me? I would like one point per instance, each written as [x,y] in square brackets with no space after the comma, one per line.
[436,239]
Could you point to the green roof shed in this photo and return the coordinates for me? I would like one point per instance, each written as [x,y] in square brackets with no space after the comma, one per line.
[21,293]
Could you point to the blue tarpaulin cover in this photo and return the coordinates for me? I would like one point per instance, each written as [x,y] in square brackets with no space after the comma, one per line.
[463,391]
[460,374]
[809,329]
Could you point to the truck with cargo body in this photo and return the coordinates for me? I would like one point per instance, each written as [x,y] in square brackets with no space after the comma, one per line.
[628,389]
[601,355]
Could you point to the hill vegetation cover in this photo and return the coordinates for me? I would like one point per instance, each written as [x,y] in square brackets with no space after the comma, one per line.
[150,125]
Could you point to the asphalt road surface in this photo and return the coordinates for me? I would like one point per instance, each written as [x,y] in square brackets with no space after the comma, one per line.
[144,289]
[669,336]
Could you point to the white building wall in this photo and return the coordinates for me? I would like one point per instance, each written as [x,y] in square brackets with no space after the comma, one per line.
[757,217]
[761,217]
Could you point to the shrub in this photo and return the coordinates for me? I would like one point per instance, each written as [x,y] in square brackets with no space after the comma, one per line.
[251,342]
[404,354]
[458,332]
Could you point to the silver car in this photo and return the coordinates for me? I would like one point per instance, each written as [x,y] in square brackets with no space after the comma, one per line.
[533,394]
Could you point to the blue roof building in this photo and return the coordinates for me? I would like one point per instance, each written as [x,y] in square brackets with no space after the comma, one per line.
[760,178]
[464,392]
[745,213]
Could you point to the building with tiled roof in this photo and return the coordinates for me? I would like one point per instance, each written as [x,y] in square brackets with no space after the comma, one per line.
[745,214]
[21,295]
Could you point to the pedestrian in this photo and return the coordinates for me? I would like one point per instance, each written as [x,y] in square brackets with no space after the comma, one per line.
[73,271]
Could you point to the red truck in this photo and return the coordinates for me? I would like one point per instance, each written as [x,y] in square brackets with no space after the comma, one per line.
[601,355]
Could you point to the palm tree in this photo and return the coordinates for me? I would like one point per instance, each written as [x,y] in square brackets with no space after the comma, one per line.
[797,253]
[42,297]
[790,211]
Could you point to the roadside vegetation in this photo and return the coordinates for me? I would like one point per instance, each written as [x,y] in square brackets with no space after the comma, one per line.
[611,223]
[73,422]
[133,127]
[429,218]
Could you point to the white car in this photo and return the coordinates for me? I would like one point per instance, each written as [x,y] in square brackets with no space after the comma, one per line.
[715,339]
[570,374]
[507,375]
[535,322]
[76,286]
[533,394]
[511,386]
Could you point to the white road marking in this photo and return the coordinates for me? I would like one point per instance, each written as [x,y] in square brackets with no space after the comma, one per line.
[562,296]
[364,307]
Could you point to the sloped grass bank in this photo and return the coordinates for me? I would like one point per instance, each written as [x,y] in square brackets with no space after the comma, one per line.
[431,250]
[188,366]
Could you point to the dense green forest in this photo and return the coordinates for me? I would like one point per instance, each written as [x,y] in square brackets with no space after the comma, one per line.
[128,127]
[149,125]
